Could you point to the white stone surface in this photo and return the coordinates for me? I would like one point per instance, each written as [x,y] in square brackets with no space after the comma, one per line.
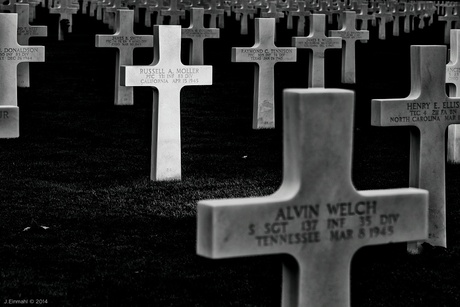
[430,110]
[316,216]
[167,75]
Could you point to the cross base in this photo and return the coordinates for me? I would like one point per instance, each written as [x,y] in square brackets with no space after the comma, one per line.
[9,122]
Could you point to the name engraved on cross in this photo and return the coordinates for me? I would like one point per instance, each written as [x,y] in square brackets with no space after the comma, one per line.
[167,75]
[125,41]
[430,110]
[198,33]
[26,31]
[265,55]
[453,83]
[11,54]
[318,43]
[316,216]
[350,35]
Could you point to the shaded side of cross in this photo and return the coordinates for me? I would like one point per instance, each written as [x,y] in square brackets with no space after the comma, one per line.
[299,219]
[125,41]
[167,75]
[265,55]
[430,110]
[318,43]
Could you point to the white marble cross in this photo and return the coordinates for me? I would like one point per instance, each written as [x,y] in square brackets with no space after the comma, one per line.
[198,33]
[125,41]
[168,76]
[316,216]
[173,12]
[301,13]
[242,14]
[318,43]
[350,35]
[11,54]
[430,110]
[449,18]
[26,31]
[453,83]
[65,9]
[265,55]
[215,14]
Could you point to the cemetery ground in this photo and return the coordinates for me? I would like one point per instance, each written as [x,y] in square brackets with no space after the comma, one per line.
[81,168]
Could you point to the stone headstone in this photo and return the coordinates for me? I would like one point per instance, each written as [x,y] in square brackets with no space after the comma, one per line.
[215,14]
[453,83]
[301,13]
[364,16]
[167,75]
[11,54]
[66,10]
[318,43]
[383,16]
[265,55]
[242,13]
[397,14]
[349,35]
[125,41]
[408,12]
[430,110]
[26,31]
[316,216]
[198,33]
[449,18]
[173,12]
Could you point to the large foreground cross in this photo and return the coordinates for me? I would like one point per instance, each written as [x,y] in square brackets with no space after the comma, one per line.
[316,216]
[430,110]
[168,76]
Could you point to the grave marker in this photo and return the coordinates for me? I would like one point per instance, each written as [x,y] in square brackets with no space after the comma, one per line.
[11,54]
[265,55]
[301,13]
[173,12]
[453,83]
[242,14]
[215,14]
[125,41]
[26,31]
[350,35]
[430,110]
[167,75]
[316,216]
[198,33]
[318,43]
[65,9]
[449,18]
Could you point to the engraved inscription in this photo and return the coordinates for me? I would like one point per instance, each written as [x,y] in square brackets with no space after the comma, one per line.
[268,54]
[199,33]
[131,41]
[171,75]
[453,74]
[429,112]
[318,43]
[332,222]
[18,54]
[351,34]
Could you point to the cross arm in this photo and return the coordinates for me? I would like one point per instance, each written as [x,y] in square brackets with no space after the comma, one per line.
[399,112]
